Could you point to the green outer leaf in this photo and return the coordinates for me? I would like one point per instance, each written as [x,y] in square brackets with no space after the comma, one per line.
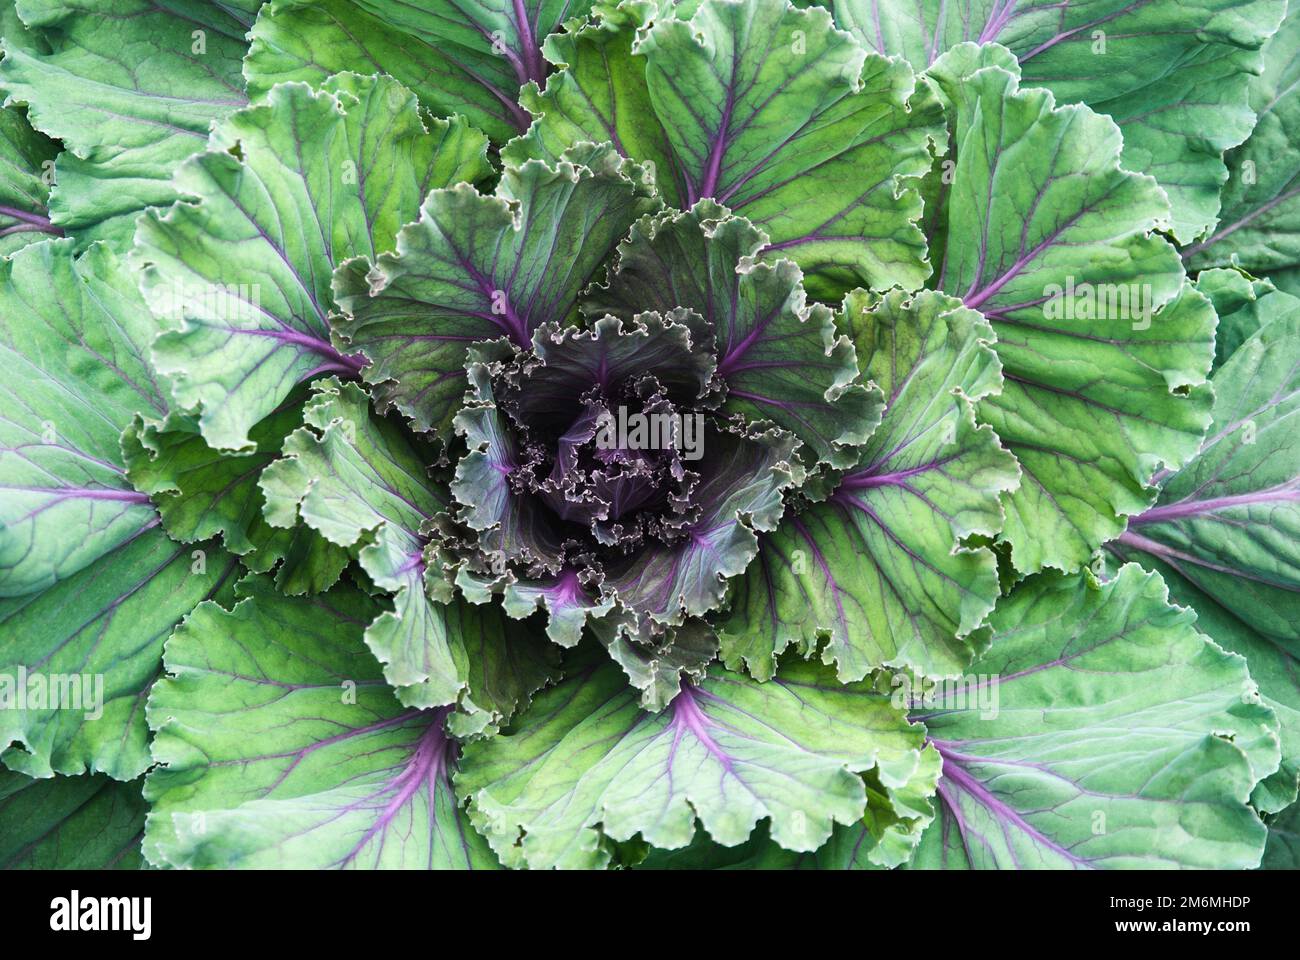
[348,472]
[478,267]
[1283,850]
[245,11]
[361,483]
[201,493]
[73,341]
[1287,279]
[879,567]
[1179,95]
[1225,530]
[1110,734]
[400,154]
[304,561]
[1274,665]
[508,662]
[1088,446]
[124,86]
[1260,225]
[885,838]
[740,78]
[1229,521]
[490,44]
[70,823]
[308,41]
[759,852]
[896,818]
[781,359]
[1243,305]
[599,93]
[106,622]
[1091,406]
[280,745]
[26,159]
[286,190]
[584,762]
[773,113]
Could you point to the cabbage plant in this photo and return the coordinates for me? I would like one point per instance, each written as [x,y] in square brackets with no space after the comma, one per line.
[646,435]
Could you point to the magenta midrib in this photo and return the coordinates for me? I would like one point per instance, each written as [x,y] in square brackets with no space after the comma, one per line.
[1192,508]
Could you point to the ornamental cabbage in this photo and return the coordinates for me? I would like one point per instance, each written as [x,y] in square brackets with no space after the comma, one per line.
[649,435]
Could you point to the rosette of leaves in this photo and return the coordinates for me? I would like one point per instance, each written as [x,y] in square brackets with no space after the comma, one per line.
[531,435]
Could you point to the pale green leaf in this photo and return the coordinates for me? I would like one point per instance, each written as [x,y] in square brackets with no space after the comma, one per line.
[280,746]
[26,171]
[584,762]
[476,267]
[131,87]
[1179,95]
[70,823]
[1260,224]
[1104,356]
[93,645]
[879,568]
[1100,731]
[1225,530]
[773,113]
[74,340]
[310,39]
[362,483]
[286,190]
